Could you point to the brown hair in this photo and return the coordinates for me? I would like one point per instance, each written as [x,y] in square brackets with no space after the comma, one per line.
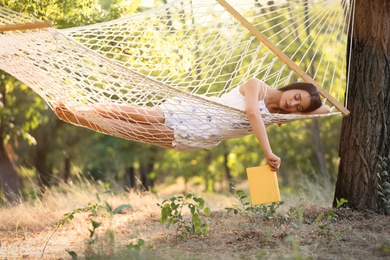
[313,91]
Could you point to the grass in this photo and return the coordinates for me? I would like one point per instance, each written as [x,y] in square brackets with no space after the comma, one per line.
[305,227]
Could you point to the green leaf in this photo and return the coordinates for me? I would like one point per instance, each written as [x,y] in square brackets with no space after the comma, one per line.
[95,224]
[207,211]
[340,202]
[120,208]
[192,208]
[108,207]
[93,211]
[201,203]
[318,218]
[165,212]
[72,254]
[379,166]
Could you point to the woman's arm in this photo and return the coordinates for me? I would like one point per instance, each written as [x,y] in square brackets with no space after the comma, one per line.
[251,90]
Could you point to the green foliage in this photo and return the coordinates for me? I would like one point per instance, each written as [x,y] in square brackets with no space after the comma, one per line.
[331,216]
[100,249]
[383,186]
[68,217]
[341,202]
[20,111]
[94,209]
[296,213]
[108,157]
[172,214]
[268,212]
[385,247]
[26,117]
[136,246]
[329,232]
[245,207]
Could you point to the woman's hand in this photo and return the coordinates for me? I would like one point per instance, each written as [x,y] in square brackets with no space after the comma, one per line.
[273,161]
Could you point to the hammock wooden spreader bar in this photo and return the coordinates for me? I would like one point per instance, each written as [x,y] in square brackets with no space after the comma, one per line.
[25,26]
[291,64]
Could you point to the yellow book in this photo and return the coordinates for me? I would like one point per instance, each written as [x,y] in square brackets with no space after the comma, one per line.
[263,185]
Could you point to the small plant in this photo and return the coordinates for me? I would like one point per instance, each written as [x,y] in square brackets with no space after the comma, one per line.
[136,246]
[296,213]
[330,217]
[93,209]
[242,198]
[329,232]
[385,247]
[268,211]
[340,203]
[172,214]
[383,185]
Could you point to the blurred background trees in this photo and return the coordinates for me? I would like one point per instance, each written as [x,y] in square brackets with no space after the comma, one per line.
[37,148]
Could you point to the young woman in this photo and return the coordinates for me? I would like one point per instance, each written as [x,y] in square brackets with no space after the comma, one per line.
[171,124]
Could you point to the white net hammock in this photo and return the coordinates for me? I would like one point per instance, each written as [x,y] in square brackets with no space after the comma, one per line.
[187,51]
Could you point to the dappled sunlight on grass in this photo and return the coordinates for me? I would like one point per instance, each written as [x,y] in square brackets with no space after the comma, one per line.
[305,226]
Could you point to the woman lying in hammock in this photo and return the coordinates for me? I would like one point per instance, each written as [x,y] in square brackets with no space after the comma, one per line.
[186,125]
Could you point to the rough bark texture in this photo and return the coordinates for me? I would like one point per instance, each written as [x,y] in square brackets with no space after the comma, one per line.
[365,132]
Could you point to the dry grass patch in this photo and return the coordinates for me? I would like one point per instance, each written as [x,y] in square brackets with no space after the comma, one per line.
[298,230]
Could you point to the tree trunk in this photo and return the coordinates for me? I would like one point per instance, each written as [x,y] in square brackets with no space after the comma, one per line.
[67,164]
[319,149]
[9,179]
[209,177]
[144,172]
[147,166]
[44,173]
[130,177]
[228,175]
[364,133]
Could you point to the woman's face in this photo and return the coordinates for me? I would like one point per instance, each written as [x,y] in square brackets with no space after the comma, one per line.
[295,100]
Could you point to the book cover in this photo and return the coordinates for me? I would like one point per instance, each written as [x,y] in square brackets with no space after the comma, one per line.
[263,185]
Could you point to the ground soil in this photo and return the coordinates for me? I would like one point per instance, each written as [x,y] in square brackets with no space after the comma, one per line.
[293,232]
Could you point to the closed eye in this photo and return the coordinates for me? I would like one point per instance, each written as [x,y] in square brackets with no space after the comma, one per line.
[298,97]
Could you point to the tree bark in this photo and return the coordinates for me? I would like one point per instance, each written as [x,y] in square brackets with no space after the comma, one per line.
[364,133]
[67,164]
[9,179]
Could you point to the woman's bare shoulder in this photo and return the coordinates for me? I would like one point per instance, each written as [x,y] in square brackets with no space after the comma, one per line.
[253,85]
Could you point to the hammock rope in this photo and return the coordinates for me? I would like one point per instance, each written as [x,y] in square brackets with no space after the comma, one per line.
[189,50]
